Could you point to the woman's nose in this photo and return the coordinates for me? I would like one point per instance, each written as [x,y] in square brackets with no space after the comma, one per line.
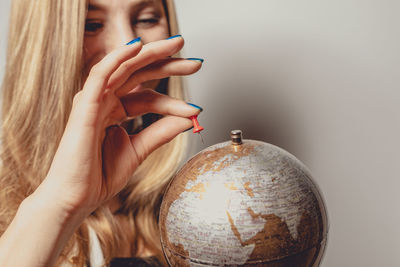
[120,33]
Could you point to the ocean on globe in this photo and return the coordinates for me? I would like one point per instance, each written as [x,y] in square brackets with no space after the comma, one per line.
[243,203]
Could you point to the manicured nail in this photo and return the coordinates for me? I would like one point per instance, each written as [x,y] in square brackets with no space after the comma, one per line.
[188,129]
[196,106]
[196,59]
[175,36]
[134,41]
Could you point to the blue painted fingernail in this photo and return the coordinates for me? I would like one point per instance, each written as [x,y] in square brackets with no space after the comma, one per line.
[187,129]
[175,36]
[134,41]
[196,59]
[196,106]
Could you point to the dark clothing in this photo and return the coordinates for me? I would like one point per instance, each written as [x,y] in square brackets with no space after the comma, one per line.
[135,262]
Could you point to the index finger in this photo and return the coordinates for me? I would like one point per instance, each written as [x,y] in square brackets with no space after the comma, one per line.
[150,53]
[102,71]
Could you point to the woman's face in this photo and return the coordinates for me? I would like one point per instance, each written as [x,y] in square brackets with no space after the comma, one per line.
[113,23]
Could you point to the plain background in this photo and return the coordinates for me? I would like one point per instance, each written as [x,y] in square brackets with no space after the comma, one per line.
[319,79]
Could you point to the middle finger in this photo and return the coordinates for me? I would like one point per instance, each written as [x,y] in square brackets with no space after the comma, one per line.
[159,70]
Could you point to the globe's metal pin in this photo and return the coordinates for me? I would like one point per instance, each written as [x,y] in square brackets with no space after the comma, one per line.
[236,137]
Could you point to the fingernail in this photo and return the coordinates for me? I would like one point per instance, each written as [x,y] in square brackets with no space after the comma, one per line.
[187,129]
[195,59]
[134,41]
[175,36]
[196,106]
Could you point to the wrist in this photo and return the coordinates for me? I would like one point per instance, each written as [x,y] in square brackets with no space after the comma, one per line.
[47,201]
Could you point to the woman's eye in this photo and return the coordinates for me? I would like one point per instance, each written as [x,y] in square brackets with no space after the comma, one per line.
[91,27]
[146,23]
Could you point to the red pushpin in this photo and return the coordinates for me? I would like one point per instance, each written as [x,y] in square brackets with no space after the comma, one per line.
[196,126]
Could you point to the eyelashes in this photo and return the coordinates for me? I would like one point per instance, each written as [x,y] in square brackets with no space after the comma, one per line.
[146,22]
[92,27]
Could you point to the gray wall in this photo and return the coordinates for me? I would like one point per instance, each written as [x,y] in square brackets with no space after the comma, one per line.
[4,14]
[319,79]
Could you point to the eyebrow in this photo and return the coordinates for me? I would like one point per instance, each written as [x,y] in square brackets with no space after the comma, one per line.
[137,4]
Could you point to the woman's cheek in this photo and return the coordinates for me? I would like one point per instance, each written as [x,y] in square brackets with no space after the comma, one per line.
[155,33]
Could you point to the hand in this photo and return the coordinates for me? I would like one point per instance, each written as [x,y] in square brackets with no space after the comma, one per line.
[96,157]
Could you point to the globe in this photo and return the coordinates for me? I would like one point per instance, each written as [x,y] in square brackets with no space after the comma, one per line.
[243,203]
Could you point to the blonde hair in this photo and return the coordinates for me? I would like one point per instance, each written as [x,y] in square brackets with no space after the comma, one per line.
[43,73]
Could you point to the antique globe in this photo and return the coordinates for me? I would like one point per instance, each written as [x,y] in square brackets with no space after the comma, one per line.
[243,203]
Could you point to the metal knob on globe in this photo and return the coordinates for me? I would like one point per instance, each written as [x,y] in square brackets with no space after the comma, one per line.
[243,203]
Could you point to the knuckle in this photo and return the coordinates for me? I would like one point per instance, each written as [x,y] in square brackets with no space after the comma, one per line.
[96,70]
[148,97]
[77,98]
[125,67]
[164,132]
[143,76]
[144,151]
[152,53]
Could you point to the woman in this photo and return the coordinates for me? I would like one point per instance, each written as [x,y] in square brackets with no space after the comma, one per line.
[67,189]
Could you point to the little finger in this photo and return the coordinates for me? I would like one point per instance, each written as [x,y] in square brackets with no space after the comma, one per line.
[149,101]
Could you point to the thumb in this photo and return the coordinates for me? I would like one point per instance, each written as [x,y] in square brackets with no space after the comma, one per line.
[119,159]
[157,134]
